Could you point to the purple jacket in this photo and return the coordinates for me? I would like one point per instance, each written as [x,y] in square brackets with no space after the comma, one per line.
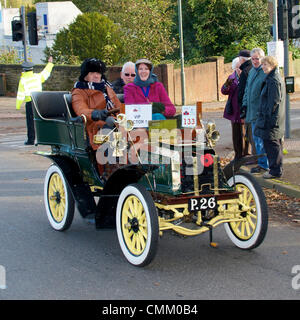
[232,92]
[133,94]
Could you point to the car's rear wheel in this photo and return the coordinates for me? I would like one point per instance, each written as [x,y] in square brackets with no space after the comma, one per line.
[58,198]
[137,225]
[250,232]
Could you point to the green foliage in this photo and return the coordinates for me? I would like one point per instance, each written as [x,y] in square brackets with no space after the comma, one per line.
[294,50]
[90,35]
[233,49]
[9,56]
[147,27]
[222,26]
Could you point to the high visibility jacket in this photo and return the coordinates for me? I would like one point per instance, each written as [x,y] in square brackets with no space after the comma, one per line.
[30,82]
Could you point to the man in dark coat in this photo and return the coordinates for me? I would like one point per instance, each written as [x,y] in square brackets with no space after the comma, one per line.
[270,123]
[246,65]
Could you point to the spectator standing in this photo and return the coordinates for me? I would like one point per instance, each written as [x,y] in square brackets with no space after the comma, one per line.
[146,89]
[127,75]
[230,88]
[245,66]
[30,82]
[270,123]
[251,103]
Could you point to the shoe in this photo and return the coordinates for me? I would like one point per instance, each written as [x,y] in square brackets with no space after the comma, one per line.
[29,143]
[257,169]
[268,175]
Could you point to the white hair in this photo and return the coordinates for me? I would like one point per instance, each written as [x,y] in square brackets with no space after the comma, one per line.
[128,64]
[235,61]
[260,52]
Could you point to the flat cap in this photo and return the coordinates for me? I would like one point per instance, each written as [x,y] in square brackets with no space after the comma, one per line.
[27,66]
[244,53]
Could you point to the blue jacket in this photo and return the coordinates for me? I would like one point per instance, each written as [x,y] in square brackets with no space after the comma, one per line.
[252,93]
[270,123]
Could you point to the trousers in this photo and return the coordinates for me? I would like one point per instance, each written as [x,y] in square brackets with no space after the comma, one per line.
[259,146]
[29,122]
[275,156]
[240,145]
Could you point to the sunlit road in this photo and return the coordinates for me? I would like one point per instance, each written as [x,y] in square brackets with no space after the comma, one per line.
[83,263]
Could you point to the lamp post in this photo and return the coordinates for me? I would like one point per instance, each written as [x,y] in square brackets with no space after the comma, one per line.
[181,52]
[275,21]
[286,66]
[24,32]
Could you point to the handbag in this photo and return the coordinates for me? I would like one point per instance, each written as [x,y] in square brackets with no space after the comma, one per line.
[228,107]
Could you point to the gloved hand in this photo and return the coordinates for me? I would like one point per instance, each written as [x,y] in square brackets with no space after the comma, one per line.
[99,115]
[158,107]
[228,82]
[243,112]
[110,123]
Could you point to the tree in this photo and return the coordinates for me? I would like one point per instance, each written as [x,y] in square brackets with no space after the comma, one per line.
[147,27]
[220,24]
[90,35]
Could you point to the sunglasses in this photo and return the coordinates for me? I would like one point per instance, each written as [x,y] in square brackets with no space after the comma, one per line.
[129,74]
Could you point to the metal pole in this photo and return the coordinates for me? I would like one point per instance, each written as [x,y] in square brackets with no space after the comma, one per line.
[181,52]
[24,32]
[275,21]
[286,69]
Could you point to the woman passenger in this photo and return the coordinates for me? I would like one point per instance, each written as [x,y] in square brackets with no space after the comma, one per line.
[146,89]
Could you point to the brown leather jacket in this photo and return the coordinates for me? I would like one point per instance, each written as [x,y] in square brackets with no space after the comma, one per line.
[85,101]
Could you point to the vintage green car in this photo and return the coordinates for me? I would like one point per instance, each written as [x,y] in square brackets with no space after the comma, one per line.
[172,184]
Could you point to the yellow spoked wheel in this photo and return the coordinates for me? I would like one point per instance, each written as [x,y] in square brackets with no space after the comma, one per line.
[137,225]
[244,229]
[251,230]
[134,225]
[59,201]
[56,197]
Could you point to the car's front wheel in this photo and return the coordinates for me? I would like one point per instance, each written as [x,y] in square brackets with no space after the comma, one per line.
[250,232]
[137,225]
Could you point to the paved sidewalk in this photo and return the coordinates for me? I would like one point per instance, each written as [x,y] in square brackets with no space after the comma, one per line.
[292,145]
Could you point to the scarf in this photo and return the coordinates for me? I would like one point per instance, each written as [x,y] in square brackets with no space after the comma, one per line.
[100,86]
[151,79]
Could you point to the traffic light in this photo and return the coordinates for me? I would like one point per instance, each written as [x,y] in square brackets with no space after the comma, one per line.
[17,30]
[288,19]
[32,29]
[294,18]
[282,20]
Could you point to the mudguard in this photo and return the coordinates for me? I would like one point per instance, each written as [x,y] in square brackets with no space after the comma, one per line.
[81,191]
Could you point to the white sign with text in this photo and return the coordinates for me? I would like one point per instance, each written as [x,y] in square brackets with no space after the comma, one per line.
[275,49]
[140,114]
[189,116]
